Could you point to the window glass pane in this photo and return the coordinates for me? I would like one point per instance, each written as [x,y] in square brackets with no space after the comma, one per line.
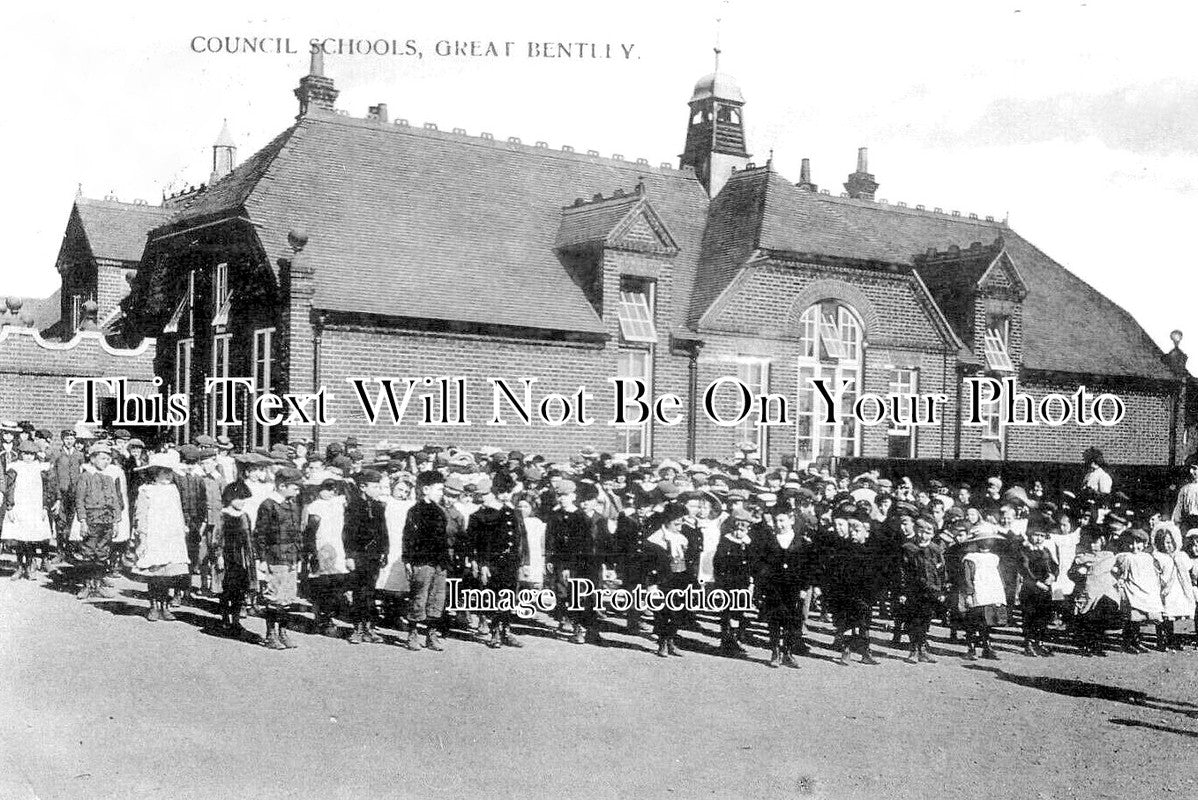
[997,358]
[808,324]
[633,364]
[636,312]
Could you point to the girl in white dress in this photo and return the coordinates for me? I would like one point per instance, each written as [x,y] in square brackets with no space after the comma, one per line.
[984,594]
[161,534]
[1137,577]
[27,498]
[1177,588]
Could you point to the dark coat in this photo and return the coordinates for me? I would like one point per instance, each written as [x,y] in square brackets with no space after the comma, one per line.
[237,546]
[97,500]
[629,550]
[923,571]
[278,538]
[365,535]
[501,544]
[570,541]
[426,536]
[67,466]
[734,562]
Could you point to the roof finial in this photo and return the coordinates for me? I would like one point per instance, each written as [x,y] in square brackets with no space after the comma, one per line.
[718,21]
[79,189]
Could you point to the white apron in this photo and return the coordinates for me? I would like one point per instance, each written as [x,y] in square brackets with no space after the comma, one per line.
[27,520]
[396,514]
[1177,589]
[987,583]
[330,544]
[162,531]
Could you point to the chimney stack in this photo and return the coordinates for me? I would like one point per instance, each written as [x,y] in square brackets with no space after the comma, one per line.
[379,112]
[805,177]
[861,184]
[316,92]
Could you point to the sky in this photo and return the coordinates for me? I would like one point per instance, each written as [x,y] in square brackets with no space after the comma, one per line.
[1077,121]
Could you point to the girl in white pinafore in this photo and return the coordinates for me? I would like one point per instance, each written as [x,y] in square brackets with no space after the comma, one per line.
[161,530]
[324,526]
[1137,576]
[392,584]
[24,506]
[983,590]
[1177,588]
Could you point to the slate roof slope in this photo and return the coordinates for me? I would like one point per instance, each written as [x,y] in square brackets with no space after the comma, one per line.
[419,223]
[117,231]
[231,191]
[1068,325]
[732,233]
[593,222]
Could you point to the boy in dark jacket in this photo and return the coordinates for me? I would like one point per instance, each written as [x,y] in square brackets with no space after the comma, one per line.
[278,540]
[733,566]
[1035,594]
[426,549]
[922,592]
[98,506]
[367,545]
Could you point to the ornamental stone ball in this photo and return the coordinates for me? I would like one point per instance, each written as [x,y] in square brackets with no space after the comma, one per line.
[14,304]
[297,238]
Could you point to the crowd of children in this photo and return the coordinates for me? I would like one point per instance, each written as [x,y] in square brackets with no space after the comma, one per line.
[374,538]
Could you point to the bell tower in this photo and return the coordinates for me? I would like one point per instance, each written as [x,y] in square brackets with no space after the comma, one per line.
[715,133]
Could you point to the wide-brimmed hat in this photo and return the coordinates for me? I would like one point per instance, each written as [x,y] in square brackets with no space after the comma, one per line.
[9,426]
[984,532]
[27,446]
[1018,494]
[99,447]
[168,460]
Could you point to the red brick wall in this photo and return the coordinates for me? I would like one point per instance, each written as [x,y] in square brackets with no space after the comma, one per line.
[111,288]
[33,374]
[1142,437]
[560,367]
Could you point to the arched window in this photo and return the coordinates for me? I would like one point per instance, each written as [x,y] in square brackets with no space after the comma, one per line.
[830,337]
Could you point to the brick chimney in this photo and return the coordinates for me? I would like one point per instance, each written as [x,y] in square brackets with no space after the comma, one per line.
[861,184]
[315,92]
[805,177]
[378,112]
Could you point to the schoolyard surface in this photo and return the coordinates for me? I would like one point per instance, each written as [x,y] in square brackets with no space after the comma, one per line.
[96,702]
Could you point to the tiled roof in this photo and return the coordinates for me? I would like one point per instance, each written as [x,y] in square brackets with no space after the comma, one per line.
[420,223]
[733,227]
[231,191]
[593,221]
[1068,325]
[116,230]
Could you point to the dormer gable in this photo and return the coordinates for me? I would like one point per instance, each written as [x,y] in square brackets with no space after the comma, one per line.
[1002,279]
[624,221]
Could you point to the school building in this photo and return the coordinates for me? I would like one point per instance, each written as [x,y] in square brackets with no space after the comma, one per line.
[366,246]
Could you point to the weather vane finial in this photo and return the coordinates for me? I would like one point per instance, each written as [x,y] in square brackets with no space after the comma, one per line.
[718,20]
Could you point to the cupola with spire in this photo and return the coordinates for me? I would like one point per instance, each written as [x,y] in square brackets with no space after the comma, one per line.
[224,154]
[715,133]
[316,92]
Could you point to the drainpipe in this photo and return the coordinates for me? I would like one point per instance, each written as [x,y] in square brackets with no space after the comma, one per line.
[692,384]
[943,381]
[960,417]
[317,336]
